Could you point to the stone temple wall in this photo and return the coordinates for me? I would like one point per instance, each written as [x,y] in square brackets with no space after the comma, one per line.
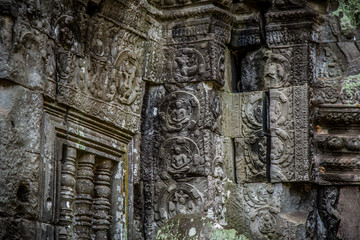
[179,119]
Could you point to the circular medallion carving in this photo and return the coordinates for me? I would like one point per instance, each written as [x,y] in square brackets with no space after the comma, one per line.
[179,110]
[181,199]
[179,157]
[188,65]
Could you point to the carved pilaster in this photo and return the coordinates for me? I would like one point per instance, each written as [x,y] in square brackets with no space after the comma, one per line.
[101,219]
[84,196]
[67,193]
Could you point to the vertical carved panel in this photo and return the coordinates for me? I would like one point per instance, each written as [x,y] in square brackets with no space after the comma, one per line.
[282,140]
[84,196]
[232,110]
[301,133]
[67,194]
[289,134]
[252,148]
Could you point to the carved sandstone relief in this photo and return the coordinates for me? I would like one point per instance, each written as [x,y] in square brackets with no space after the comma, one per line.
[180,158]
[274,122]
[185,113]
[335,100]
[197,62]
[108,84]
[84,196]
[253,146]
[177,198]
[255,209]
[179,111]
[289,129]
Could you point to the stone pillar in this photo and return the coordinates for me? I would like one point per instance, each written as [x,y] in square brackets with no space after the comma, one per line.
[182,144]
[67,194]
[84,196]
[101,220]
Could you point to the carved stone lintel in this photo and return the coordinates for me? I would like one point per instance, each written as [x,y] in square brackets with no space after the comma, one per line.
[84,200]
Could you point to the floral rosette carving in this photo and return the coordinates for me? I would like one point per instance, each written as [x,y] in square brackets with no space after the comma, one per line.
[281,155]
[350,95]
[324,95]
[252,112]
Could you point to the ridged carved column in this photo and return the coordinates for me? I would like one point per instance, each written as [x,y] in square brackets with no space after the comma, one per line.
[84,196]
[67,196]
[101,222]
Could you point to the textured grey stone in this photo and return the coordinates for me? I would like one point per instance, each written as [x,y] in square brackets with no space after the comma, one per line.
[118,118]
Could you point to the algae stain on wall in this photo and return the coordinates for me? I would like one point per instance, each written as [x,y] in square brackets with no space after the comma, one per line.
[349,15]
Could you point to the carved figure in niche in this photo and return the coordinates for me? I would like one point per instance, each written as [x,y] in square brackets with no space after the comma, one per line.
[181,203]
[252,112]
[330,66]
[266,221]
[182,198]
[65,64]
[127,77]
[188,65]
[179,157]
[178,111]
[66,37]
[66,31]
[276,70]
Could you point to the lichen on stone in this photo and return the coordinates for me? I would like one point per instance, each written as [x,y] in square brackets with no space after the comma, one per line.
[226,234]
[349,15]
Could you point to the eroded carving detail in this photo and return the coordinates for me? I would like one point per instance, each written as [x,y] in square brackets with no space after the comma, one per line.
[179,110]
[261,209]
[277,70]
[180,199]
[188,66]
[179,158]
[329,66]
[254,145]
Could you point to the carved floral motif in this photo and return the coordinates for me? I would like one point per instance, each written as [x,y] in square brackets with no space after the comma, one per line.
[261,209]
[254,144]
